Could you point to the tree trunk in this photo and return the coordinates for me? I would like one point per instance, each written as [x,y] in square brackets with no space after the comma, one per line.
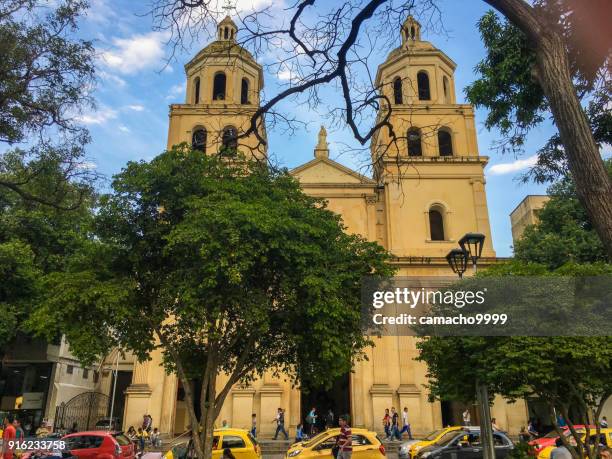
[588,171]
[586,166]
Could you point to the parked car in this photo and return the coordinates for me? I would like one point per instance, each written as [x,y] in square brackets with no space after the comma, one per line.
[549,439]
[465,444]
[366,445]
[97,444]
[604,439]
[242,444]
[410,448]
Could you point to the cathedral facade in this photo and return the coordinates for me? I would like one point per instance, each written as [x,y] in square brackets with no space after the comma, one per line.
[427,190]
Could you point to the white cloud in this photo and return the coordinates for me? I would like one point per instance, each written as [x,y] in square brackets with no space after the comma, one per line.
[123,128]
[136,107]
[118,81]
[98,117]
[175,91]
[141,51]
[515,166]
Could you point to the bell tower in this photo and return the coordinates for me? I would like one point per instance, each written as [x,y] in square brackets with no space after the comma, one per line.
[432,173]
[222,94]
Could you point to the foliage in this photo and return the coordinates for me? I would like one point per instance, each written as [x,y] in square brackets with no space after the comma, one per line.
[36,240]
[564,232]
[227,265]
[45,80]
[559,370]
[509,88]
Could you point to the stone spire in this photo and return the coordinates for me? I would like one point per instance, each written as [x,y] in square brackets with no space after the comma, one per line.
[322,148]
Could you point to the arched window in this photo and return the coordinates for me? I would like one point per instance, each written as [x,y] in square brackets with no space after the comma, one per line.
[219,86]
[436,225]
[412,32]
[196,90]
[225,33]
[445,143]
[198,140]
[446,90]
[414,142]
[244,91]
[397,90]
[229,141]
[423,84]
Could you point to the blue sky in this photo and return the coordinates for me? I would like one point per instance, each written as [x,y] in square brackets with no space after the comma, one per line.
[136,85]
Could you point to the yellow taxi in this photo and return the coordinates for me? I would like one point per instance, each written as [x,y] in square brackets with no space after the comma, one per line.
[366,445]
[240,442]
[605,439]
[409,449]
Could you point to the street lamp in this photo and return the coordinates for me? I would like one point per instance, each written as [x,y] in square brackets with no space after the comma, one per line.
[457,260]
[472,244]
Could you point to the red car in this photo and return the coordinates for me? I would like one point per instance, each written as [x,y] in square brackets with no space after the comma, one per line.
[549,439]
[99,445]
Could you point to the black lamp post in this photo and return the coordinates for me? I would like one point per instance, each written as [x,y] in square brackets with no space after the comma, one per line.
[471,246]
[472,243]
[457,260]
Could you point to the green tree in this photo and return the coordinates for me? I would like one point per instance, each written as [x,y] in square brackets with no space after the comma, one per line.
[46,76]
[227,267]
[36,240]
[543,58]
[564,232]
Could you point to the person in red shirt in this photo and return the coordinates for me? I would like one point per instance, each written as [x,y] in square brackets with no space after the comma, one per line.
[8,435]
[345,439]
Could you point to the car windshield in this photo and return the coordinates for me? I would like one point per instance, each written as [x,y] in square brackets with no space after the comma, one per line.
[432,435]
[122,439]
[448,437]
[315,439]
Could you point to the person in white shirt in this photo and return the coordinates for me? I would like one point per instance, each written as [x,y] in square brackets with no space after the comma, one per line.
[406,424]
[467,417]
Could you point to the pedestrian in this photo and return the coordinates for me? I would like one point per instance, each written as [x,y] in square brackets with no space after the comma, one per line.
[311,420]
[524,435]
[43,430]
[467,417]
[254,425]
[131,433]
[75,429]
[8,434]
[387,424]
[604,423]
[299,433]
[155,440]
[19,433]
[280,424]
[560,452]
[141,437]
[227,454]
[494,425]
[224,424]
[345,439]
[406,424]
[531,429]
[329,419]
[395,433]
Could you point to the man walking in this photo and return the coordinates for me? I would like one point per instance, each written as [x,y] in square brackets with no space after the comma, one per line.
[345,439]
[280,424]
[8,435]
[406,424]
[387,424]
[395,434]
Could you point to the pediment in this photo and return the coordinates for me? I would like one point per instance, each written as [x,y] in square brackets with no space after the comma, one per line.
[324,170]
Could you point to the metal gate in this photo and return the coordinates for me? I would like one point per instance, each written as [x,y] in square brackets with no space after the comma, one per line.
[84,410]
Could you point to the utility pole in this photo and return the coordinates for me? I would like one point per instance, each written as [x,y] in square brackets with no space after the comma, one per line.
[486,427]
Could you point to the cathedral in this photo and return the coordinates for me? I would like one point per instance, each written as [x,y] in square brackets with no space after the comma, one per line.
[427,190]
